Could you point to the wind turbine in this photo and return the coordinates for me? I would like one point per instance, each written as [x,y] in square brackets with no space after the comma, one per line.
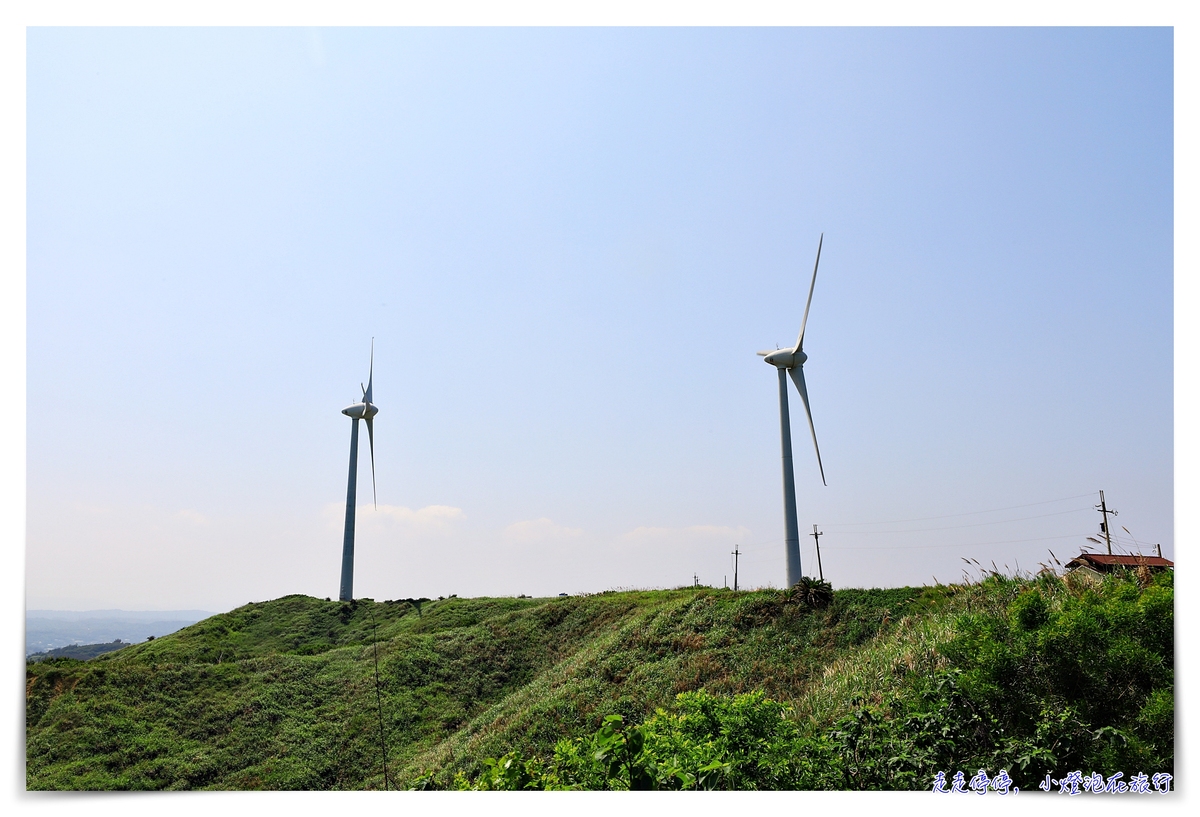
[791,361]
[365,410]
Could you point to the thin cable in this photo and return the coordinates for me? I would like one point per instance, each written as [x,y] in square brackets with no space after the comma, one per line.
[956,527]
[1139,542]
[775,542]
[951,515]
[957,544]
[762,545]
[378,698]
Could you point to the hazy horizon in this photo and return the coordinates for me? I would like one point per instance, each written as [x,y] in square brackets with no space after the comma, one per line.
[44,613]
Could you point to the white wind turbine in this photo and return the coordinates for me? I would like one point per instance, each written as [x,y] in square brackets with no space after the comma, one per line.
[792,361]
[365,410]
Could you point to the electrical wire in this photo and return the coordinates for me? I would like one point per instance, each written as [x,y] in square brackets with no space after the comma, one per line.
[760,545]
[1123,541]
[956,527]
[378,697]
[955,544]
[967,513]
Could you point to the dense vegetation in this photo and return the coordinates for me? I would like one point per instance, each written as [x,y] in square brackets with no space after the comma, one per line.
[696,688]
[1039,678]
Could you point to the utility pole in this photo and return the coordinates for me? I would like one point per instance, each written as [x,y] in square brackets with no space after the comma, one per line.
[1159,547]
[695,580]
[817,538]
[735,566]
[1103,508]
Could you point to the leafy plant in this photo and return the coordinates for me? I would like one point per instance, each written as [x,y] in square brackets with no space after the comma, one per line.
[814,593]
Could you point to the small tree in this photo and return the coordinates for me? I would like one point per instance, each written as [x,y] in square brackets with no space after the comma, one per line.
[814,593]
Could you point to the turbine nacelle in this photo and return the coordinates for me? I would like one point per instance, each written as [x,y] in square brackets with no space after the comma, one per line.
[361,411]
[785,358]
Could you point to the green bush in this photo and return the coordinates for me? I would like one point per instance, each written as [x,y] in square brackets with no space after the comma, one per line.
[708,742]
[1080,678]
[1042,678]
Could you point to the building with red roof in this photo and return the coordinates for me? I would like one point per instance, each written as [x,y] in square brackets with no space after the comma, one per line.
[1101,563]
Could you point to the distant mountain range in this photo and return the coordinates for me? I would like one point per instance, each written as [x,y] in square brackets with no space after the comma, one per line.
[51,629]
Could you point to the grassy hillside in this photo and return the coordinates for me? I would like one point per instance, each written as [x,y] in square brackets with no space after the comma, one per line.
[283,695]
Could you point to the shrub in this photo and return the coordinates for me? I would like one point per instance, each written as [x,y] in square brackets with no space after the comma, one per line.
[1043,678]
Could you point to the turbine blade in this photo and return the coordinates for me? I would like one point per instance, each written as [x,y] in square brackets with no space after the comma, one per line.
[797,375]
[765,353]
[371,438]
[803,323]
[371,376]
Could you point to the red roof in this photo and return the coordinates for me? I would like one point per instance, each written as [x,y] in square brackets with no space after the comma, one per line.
[1106,560]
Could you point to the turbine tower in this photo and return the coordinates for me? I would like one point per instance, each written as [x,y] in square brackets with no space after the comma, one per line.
[791,361]
[365,410]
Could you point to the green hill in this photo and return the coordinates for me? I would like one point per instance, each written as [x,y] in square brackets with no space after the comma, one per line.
[1036,674]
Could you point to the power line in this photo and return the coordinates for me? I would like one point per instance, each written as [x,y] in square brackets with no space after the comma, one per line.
[762,545]
[961,544]
[757,548]
[969,525]
[1121,540]
[378,697]
[967,513]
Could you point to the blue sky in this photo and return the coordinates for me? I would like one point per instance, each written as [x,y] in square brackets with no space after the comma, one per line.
[568,244]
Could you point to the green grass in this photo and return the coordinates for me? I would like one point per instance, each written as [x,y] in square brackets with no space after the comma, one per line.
[281,695]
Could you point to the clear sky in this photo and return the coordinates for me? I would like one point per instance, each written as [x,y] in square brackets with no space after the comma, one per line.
[568,245]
